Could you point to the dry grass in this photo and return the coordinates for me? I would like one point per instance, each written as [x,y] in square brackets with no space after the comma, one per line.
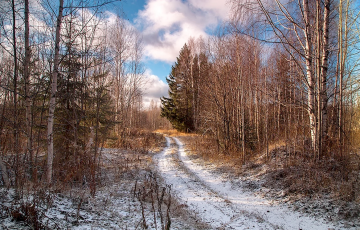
[173,133]
[310,178]
[206,148]
[139,140]
[292,173]
[130,169]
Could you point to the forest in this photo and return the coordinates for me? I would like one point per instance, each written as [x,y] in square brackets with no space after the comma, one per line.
[278,81]
[277,85]
[68,83]
[275,73]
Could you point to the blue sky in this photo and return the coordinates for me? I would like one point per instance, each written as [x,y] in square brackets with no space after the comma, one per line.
[131,9]
[166,25]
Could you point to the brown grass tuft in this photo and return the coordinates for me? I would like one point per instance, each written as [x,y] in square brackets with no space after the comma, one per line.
[290,171]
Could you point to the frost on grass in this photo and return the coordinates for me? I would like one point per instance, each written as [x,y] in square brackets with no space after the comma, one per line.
[130,196]
[297,186]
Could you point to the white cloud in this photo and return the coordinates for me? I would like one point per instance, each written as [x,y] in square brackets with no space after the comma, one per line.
[168,24]
[154,88]
[219,8]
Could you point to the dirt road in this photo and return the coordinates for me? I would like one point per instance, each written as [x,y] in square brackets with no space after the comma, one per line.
[217,202]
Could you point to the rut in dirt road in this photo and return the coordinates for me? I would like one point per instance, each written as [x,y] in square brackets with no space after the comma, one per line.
[217,203]
[207,204]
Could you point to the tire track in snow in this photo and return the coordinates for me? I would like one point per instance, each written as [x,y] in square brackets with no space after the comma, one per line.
[213,208]
[256,213]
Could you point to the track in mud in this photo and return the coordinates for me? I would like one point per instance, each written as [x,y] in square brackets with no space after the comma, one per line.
[218,204]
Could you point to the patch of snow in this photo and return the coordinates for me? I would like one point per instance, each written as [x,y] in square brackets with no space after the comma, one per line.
[113,207]
[222,205]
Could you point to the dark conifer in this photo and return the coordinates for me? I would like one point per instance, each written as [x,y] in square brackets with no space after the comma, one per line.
[177,108]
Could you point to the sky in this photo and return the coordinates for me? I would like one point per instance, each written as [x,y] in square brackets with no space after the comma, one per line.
[166,25]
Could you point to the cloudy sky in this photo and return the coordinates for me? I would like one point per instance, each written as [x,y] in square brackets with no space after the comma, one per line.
[166,25]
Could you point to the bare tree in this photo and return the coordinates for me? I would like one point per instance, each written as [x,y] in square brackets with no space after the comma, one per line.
[55,73]
[15,96]
[126,49]
[303,30]
[27,87]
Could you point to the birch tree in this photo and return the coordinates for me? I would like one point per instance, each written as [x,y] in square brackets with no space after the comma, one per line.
[348,46]
[303,30]
[52,102]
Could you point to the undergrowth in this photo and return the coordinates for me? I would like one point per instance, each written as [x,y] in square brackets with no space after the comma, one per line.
[291,172]
[139,140]
[125,173]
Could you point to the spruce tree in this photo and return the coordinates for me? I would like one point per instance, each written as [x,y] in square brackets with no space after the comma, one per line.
[177,108]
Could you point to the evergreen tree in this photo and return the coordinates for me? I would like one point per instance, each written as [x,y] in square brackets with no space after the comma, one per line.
[177,108]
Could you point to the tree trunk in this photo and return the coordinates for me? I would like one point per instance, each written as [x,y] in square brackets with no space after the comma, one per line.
[16,131]
[27,89]
[319,85]
[310,74]
[50,131]
[324,69]
[266,118]
[4,173]
[242,103]
[340,74]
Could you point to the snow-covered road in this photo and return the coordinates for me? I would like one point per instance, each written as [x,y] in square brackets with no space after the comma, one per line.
[219,204]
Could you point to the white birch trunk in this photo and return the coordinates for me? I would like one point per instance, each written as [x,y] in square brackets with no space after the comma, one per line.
[324,67]
[309,73]
[50,131]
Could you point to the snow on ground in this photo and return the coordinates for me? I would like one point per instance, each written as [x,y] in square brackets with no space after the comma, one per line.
[113,207]
[204,198]
[221,204]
